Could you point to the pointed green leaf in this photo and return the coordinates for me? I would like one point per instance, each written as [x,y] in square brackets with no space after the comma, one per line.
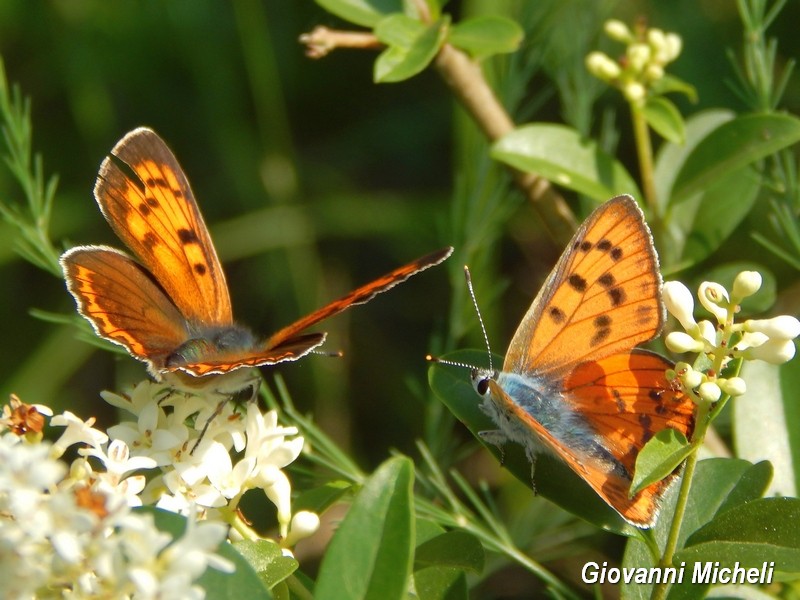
[366,13]
[732,146]
[485,36]
[370,556]
[399,62]
[559,154]
[267,559]
[457,549]
[399,30]
[669,83]
[659,457]
[663,116]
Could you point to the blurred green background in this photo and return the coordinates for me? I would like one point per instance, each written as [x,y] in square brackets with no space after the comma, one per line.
[312,179]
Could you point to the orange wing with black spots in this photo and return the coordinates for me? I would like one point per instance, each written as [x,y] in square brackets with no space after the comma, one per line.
[602,297]
[122,302]
[146,198]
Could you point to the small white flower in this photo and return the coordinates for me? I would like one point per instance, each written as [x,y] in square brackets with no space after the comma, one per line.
[76,432]
[634,91]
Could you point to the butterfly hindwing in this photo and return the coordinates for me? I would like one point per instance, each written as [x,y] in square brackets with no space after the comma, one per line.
[147,200]
[601,298]
[123,303]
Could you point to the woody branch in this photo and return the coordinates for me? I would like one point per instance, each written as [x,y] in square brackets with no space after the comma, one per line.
[465,79]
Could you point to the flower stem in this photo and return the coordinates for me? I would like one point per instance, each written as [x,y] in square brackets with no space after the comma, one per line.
[644,151]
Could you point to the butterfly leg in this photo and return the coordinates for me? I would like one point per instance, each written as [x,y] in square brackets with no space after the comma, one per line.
[496,438]
[214,415]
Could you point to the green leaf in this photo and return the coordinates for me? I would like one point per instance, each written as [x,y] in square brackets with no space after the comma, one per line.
[370,555]
[552,478]
[732,146]
[439,581]
[669,83]
[671,157]
[366,13]
[659,457]
[717,212]
[399,30]
[457,549]
[484,36]
[559,154]
[767,529]
[718,484]
[409,56]
[770,436]
[320,498]
[663,116]
[267,559]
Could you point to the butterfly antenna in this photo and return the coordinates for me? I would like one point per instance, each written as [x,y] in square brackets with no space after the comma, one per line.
[478,312]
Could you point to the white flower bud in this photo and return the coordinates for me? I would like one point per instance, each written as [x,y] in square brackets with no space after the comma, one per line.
[678,341]
[602,66]
[680,303]
[709,391]
[618,31]
[775,352]
[304,524]
[673,45]
[735,386]
[783,327]
[653,72]
[634,91]
[746,284]
[638,56]
[714,299]
[708,332]
[656,39]
[692,378]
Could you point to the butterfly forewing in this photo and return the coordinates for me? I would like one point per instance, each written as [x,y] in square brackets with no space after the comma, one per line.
[123,303]
[146,198]
[602,297]
[363,294]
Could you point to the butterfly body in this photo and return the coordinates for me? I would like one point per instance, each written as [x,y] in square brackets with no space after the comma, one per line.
[572,383]
[169,304]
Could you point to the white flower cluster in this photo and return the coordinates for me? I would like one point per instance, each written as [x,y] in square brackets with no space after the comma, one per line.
[66,535]
[646,55]
[70,531]
[189,437]
[770,340]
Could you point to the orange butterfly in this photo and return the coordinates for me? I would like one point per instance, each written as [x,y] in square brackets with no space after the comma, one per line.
[172,309]
[572,382]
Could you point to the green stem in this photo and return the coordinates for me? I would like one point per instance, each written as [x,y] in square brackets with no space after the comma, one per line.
[644,151]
